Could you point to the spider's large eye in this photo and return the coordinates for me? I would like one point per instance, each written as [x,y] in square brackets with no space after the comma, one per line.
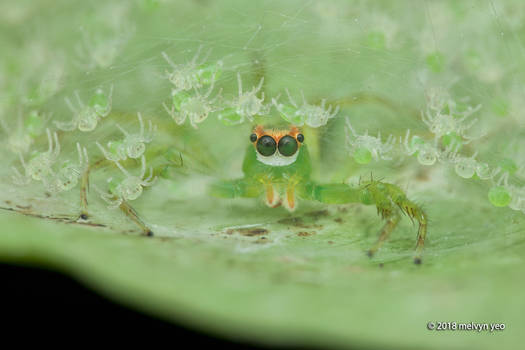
[287,146]
[266,146]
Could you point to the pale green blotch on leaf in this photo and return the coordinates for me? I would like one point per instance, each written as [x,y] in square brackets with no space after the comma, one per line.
[229,116]
[499,196]
[376,40]
[452,140]
[500,107]
[289,113]
[34,124]
[436,61]
[99,101]
[362,155]
[508,165]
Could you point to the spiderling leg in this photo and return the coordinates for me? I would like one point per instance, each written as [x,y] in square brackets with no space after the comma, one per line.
[132,214]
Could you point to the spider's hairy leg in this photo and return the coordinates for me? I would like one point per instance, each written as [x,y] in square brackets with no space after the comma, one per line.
[390,200]
[235,189]
[331,193]
[389,226]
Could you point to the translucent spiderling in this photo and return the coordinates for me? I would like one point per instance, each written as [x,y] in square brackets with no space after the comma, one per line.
[466,166]
[442,118]
[311,115]
[245,106]
[40,166]
[128,189]
[427,154]
[35,122]
[21,137]
[484,172]
[86,117]
[364,148]
[194,107]
[18,139]
[48,86]
[102,51]
[133,145]
[517,195]
[66,178]
[194,74]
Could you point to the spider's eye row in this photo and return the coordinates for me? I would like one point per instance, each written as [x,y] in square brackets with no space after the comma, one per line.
[300,138]
[287,146]
[266,146]
[253,137]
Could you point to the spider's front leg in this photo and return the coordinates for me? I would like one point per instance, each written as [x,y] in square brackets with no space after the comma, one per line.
[389,200]
[239,188]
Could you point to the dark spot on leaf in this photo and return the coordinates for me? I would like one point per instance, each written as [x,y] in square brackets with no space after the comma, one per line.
[318,213]
[293,221]
[338,220]
[305,234]
[23,207]
[330,242]
[342,209]
[250,232]
[422,175]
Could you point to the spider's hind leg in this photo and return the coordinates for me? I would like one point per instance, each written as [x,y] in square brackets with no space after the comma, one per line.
[389,226]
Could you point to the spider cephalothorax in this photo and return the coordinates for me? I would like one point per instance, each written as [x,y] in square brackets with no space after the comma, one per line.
[277,147]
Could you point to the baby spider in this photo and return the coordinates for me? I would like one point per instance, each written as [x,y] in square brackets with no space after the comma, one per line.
[86,118]
[21,137]
[451,122]
[128,189]
[277,165]
[40,166]
[311,115]
[364,147]
[246,105]
[427,154]
[192,75]
[133,145]
[195,107]
[68,175]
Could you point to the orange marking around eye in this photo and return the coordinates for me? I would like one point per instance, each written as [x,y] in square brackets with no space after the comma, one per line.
[276,134]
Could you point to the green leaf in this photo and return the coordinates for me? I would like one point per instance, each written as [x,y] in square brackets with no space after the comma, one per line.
[242,270]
